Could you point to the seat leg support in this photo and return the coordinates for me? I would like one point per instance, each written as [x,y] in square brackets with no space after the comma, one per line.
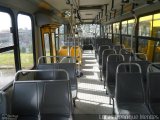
[74,102]
[100,74]
[113,112]
[110,101]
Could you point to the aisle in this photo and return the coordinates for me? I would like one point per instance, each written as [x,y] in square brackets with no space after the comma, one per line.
[92,100]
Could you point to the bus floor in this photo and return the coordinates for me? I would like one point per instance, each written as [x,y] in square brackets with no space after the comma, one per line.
[92,102]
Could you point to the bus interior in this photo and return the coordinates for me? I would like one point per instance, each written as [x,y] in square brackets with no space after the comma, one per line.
[79,60]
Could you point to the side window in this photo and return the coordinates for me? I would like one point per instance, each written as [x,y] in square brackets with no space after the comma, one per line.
[6,38]
[130,26]
[25,41]
[156,33]
[47,44]
[145,26]
[61,37]
[124,27]
[7,61]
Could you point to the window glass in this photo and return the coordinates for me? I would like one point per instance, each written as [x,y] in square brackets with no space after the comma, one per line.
[124,27]
[47,47]
[116,39]
[7,68]
[131,26]
[61,36]
[126,42]
[47,44]
[150,26]
[109,36]
[110,29]
[25,41]
[146,47]
[56,38]
[157,52]
[143,44]
[90,30]
[156,26]
[106,29]
[54,44]
[7,62]
[145,26]
[6,38]
[116,28]
[97,29]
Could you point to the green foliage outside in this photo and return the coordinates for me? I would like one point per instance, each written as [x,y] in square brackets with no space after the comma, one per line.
[7,60]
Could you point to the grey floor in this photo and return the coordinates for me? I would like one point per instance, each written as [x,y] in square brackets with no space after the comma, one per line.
[92,102]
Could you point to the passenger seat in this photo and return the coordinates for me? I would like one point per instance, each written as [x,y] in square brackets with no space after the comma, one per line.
[129,92]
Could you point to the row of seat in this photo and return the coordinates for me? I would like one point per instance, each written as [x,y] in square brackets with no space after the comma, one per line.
[43,98]
[106,50]
[109,70]
[134,92]
[48,82]
[133,95]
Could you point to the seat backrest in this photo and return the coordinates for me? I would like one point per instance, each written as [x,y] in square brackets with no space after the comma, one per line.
[112,62]
[117,48]
[127,57]
[49,75]
[3,103]
[102,41]
[153,84]
[56,98]
[129,85]
[68,60]
[69,67]
[127,53]
[25,99]
[100,51]
[105,54]
[144,66]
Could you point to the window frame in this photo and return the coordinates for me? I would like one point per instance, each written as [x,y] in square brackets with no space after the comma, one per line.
[14,46]
[33,37]
[151,37]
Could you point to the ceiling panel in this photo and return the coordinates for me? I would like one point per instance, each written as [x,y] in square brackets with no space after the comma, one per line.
[93,2]
[58,4]
[89,14]
[88,9]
